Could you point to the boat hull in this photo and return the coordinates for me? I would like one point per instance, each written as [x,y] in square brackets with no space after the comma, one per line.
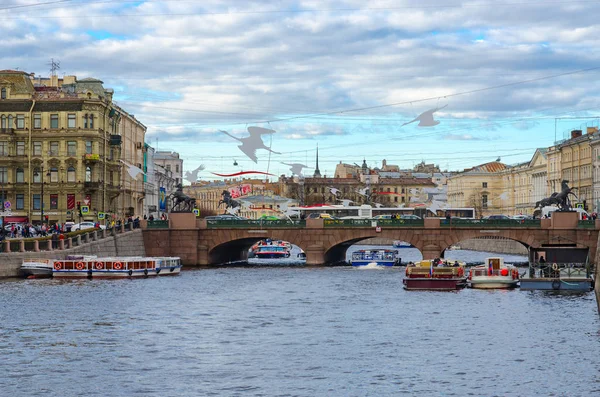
[35,272]
[104,274]
[493,282]
[271,255]
[557,284]
[436,284]
[365,263]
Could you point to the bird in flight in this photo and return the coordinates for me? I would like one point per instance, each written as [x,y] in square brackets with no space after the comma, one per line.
[363,192]
[346,203]
[132,170]
[296,168]
[426,119]
[334,191]
[192,176]
[252,143]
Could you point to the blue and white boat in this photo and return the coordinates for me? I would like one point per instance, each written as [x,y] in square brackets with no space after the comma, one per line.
[401,244]
[380,257]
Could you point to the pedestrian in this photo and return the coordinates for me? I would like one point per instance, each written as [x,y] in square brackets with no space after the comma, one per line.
[55,240]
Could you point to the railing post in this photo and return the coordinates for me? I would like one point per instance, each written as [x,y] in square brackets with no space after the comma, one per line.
[61,244]
[49,245]
[7,246]
[21,245]
[36,246]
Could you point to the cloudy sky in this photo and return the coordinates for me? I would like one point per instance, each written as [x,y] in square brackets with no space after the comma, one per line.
[509,76]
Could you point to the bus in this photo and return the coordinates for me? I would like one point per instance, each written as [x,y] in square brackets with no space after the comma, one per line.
[463,213]
[364,211]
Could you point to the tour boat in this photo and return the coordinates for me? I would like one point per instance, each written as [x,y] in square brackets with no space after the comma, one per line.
[401,244]
[493,274]
[381,257]
[36,268]
[270,249]
[435,274]
[558,276]
[115,267]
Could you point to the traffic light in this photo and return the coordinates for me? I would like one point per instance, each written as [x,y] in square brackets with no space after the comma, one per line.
[79,205]
[46,217]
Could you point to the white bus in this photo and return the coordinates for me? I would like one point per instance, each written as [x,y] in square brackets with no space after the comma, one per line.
[364,211]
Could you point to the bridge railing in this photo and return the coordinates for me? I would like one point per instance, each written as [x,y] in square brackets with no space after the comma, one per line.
[525,223]
[373,222]
[587,224]
[158,224]
[253,223]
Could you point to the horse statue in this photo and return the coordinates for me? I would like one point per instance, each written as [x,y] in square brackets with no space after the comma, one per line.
[560,199]
[229,202]
[180,202]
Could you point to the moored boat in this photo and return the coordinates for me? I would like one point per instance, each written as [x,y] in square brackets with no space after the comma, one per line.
[557,277]
[435,274]
[115,267]
[36,268]
[493,274]
[269,249]
[381,257]
[401,244]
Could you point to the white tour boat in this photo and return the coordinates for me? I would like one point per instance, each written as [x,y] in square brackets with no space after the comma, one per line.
[493,274]
[116,267]
[36,268]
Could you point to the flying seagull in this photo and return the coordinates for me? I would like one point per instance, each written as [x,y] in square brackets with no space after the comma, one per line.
[296,168]
[426,118]
[334,191]
[252,143]
[132,170]
[346,203]
[192,176]
[363,192]
[378,205]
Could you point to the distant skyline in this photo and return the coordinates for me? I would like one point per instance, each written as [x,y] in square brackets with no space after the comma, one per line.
[506,77]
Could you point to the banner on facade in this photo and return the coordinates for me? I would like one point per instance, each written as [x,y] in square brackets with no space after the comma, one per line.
[70,201]
[162,199]
[88,200]
[240,190]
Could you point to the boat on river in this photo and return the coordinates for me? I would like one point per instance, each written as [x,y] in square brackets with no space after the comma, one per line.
[36,268]
[115,267]
[270,249]
[401,244]
[558,276]
[493,274]
[435,274]
[379,257]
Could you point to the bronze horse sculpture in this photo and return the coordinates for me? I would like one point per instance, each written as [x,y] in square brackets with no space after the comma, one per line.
[560,199]
[228,201]
[180,202]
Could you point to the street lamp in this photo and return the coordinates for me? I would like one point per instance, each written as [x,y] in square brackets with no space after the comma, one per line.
[36,173]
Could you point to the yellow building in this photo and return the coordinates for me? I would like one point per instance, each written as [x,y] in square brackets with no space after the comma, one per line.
[60,148]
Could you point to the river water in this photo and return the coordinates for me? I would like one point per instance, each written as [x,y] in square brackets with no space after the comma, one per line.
[292,330]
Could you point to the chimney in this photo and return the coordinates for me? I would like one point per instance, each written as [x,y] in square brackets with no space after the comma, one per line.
[591,130]
[575,134]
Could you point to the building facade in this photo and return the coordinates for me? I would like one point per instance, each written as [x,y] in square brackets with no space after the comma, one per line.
[172,163]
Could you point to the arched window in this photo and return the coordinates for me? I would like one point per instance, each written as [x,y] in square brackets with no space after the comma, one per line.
[71,174]
[3,93]
[88,174]
[3,125]
[10,121]
[37,175]
[20,175]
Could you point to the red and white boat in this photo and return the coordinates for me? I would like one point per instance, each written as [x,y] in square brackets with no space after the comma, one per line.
[435,274]
[493,274]
[267,249]
[115,267]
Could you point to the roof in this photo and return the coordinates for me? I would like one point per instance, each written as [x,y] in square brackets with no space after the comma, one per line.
[20,82]
[489,168]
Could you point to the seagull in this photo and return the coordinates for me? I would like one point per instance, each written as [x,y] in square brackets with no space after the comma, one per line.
[253,142]
[378,205]
[245,204]
[363,192]
[296,168]
[334,191]
[132,170]
[503,196]
[192,176]
[233,210]
[426,118]
[346,203]
[287,211]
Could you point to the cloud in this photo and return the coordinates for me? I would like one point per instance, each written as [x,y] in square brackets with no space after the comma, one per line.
[463,137]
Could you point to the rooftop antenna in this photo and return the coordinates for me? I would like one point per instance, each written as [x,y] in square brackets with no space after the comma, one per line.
[54,66]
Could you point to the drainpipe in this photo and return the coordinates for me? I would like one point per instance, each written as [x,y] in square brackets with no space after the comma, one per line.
[29,200]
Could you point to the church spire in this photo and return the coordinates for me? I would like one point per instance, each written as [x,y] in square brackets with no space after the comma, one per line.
[317,173]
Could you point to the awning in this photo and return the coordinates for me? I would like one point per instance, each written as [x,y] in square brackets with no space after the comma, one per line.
[16,219]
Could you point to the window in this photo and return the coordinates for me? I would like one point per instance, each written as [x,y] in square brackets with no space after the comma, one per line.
[37,121]
[20,202]
[85,121]
[168,167]
[71,120]
[484,200]
[71,174]
[88,174]
[20,175]
[3,174]
[88,147]
[20,148]
[54,148]
[54,174]
[54,201]
[37,175]
[20,121]
[10,121]
[37,148]
[36,202]
[111,177]
[3,93]
[3,148]
[54,121]
[71,148]
[3,123]
[177,168]
[91,121]
[484,185]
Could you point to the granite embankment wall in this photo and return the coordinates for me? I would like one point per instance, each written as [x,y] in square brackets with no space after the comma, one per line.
[485,245]
[124,244]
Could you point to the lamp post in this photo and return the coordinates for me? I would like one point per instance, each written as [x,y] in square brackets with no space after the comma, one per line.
[41,174]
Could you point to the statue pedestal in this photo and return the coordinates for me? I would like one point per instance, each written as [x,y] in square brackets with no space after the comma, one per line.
[564,219]
[183,220]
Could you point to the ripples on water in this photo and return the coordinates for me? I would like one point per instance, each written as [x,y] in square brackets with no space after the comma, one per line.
[292,331]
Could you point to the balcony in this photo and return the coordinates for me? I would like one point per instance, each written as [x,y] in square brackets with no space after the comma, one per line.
[7,130]
[92,185]
[91,158]
[115,140]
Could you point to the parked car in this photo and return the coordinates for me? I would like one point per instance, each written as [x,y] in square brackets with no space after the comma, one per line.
[225,217]
[522,217]
[85,225]
[496,217]
[410,216]
[322,215]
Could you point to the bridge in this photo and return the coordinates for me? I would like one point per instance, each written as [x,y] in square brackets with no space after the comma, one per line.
[201,242]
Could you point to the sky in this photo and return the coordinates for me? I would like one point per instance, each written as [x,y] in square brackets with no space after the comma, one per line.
[507,76]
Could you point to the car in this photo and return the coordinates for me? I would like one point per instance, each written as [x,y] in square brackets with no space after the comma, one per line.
[410,216]
[522,217]
[224,217]
[322,215]
[496,217]
[85,225]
